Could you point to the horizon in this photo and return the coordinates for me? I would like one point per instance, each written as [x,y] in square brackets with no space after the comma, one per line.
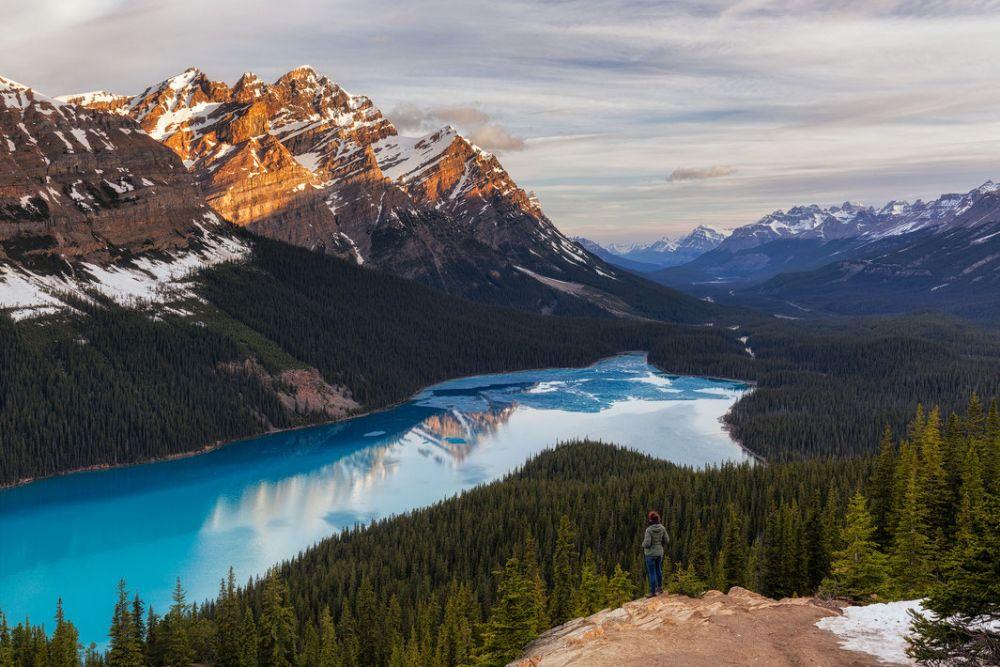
[631,123]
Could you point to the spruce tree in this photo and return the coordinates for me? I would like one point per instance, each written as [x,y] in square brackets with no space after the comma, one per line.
[880,489]
[228,620]
[123,651]
[533,572]
[592,592]
[249,642]
[858,569]
[175,630]
[329,647]
[563,573]
[734,556]
[910,557]
[511,624]
[620,588]
[276,625]
[63,649]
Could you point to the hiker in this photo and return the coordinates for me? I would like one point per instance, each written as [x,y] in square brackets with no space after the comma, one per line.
[653,545]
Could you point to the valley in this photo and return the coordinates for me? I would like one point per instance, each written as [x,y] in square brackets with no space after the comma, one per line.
[291,376]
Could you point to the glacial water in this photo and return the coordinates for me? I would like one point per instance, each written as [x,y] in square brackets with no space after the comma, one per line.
[259,501]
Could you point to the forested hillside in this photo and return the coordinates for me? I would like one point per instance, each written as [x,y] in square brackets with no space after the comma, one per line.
[472,579]
[107,385]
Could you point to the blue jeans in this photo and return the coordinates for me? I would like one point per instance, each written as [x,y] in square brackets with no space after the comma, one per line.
[654,571]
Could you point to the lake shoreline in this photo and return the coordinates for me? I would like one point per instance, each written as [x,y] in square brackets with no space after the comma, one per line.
[219,444]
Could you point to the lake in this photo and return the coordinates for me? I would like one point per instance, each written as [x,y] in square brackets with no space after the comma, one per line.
[254,503]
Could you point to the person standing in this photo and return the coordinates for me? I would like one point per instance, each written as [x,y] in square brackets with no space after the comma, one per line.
[653,546]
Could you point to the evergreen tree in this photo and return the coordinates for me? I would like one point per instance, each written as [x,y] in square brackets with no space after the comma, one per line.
[910,557]
[563,573]
[592,593]
[511,624]
[175,630]
[880,489]
[329,647]
[228,620]
[123,651]
[733,557]
[533,571]
[63,649]
[620,588]
[6,644]
[966,602]
[249,653]
[276,625]
[858,569]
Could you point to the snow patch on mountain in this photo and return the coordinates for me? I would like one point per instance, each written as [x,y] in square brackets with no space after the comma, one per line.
[144,280]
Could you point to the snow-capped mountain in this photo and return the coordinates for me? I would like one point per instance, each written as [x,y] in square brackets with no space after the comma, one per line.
[664,252]
[304,161]
[853,258]
[88,201]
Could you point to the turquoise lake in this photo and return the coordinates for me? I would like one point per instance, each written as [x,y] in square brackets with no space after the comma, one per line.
[254,503]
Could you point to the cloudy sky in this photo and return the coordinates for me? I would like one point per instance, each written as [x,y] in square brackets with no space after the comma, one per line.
[630,119]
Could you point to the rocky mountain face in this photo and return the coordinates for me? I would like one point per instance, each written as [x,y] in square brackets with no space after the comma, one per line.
[87,198]
[304,161]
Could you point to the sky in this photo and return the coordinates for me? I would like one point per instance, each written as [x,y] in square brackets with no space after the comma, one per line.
[631,120]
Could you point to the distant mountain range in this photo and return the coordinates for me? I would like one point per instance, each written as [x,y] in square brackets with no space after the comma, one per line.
[852,259]
[662,253]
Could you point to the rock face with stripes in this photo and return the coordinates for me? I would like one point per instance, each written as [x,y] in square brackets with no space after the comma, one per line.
[89,202]
[79,183]
[304,161]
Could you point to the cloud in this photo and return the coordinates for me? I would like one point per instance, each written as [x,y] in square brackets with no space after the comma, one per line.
[495,138]
[476,124]
[699,173]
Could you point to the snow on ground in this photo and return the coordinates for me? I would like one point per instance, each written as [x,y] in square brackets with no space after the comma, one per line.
[876,629]
[24,294]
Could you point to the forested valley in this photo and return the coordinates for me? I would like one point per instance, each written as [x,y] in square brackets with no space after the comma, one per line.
[470,580]
[76,389]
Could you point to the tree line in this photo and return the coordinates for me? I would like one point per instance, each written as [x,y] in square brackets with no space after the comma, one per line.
[470,580]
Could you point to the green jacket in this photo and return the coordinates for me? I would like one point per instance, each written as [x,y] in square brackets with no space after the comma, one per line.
[655,540]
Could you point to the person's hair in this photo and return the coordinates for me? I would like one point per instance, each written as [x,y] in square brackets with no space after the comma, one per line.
[652,518]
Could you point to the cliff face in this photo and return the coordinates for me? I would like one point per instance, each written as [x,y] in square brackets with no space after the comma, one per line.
[304,161]
[741,628]
[78,183]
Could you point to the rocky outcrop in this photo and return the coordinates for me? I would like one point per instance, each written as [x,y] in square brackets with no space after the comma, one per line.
[301,391]
[741,628]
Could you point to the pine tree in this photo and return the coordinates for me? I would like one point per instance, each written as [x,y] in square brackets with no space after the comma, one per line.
[620,588]
[348,635]
[563,573]
[734,556]
[880,489]
[249,653]
[63,649]
[909,559]
[772,578]
[175,630]
[369,627]
[123,651]
[858,569]
[592,593]
[138,616]
[276,625]
[511,624]
[229,621]
[454,643]
[329,647]
[6,644]
[934,485]
[533,571]
[966,602]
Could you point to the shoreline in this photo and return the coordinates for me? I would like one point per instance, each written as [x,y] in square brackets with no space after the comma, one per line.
[219,444]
